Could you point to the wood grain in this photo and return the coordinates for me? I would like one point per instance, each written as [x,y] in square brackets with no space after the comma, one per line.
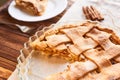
[12,40]
[5,73]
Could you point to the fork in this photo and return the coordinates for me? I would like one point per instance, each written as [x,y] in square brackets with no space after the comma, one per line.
[23,28]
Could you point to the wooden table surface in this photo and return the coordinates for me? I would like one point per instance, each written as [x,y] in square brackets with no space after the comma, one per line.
[12,40]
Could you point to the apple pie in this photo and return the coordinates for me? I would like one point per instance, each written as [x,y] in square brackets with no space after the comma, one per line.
[32,7]
[94,51]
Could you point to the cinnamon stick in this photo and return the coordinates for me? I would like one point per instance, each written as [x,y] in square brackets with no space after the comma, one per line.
[97,13]
[92,13]
[86,13]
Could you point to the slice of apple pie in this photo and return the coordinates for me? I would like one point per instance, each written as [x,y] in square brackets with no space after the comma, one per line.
[32,7]
[93,50]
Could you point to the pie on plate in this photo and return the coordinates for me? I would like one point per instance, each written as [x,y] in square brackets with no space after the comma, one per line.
[33,7]
[92,51]
[52,8]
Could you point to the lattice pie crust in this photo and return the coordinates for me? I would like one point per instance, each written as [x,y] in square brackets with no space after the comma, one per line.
[94,51]
[32,7]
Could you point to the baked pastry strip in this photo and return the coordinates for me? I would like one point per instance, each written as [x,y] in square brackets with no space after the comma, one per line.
[109,73]
[55,40]
[74,71]
[103,38]
[117,59]
[98,58]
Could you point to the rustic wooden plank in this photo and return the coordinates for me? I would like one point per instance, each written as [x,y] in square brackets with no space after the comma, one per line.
[8,64]
[13,32]
[2,78]
[10,44]
[8,53]
[4,73]
[4,55]
[12,40]
[12,29]
[7,61]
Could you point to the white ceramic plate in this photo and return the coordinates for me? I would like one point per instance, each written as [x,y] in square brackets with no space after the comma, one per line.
[54,8]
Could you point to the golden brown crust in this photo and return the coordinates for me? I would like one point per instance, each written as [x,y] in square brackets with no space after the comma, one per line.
[88,46]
